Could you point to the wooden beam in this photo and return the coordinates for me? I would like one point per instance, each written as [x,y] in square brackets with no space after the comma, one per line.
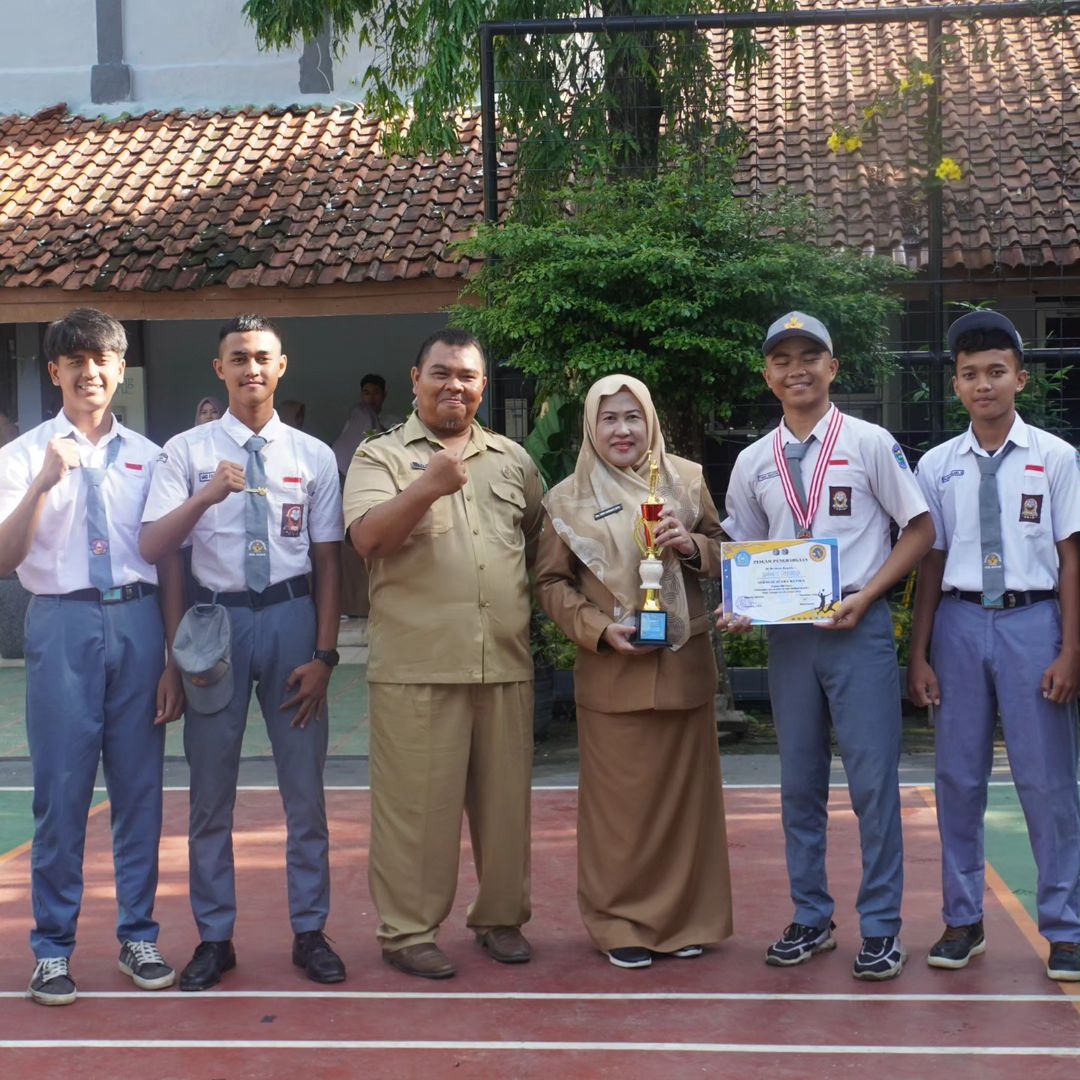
[419,296]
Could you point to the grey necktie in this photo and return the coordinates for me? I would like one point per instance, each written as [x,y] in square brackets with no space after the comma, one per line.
[993,560]
[97,520]
[256,528]
[795,452]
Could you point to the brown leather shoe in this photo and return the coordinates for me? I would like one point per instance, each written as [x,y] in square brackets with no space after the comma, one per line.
[506,944]
[426,960]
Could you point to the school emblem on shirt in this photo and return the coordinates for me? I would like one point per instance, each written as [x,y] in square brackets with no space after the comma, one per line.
[99,547]
[292,519]
[840,502]
[1031,508]
[899,455]
[992,561]
[256,547]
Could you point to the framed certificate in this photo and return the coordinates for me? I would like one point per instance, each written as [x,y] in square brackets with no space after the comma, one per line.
[775,582]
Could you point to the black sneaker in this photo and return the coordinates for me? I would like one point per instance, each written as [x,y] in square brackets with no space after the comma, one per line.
[51,983]
[1064,964]
[148,970]
[799,943]
[879,958]
[632,957]
[957,946]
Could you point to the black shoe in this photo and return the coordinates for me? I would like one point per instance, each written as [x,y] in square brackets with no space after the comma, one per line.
[957,946]
[630,957]
[1064,963]
[51,983]
[799,943]
[210,961]
[320,963]
[879,958]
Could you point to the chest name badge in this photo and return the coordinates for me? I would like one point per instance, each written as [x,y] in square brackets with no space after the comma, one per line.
[205,477]
[1031,508]
[292,519]
[607,512]
[418,465]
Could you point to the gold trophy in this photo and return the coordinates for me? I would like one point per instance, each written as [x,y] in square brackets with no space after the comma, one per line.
[651,620]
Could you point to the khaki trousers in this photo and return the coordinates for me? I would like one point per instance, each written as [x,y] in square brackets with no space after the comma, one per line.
[438,749]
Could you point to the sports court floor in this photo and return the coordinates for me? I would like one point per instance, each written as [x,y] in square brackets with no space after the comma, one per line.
[567,1014]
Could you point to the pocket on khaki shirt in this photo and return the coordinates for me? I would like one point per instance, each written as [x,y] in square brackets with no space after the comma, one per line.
[508,508]
[437,519]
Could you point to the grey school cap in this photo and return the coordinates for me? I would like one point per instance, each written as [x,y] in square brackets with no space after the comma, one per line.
[984,319]
[202,651]
[796,324]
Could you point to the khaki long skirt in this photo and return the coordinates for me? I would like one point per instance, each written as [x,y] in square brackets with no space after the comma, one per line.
[652,844]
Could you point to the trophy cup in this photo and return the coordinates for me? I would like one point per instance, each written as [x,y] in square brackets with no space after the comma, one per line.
[651,620]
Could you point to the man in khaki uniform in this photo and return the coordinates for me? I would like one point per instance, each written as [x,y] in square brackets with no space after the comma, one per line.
[447,515]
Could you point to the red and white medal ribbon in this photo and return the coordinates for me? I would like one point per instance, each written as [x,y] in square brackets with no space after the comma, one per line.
[804,516]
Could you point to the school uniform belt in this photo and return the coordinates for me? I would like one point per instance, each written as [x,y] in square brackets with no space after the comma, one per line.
[117,595]
[1009,599]
[273,594]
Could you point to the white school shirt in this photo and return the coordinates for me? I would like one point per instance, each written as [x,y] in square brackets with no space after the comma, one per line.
[302,494]
[59,556]
[1039,492]
[868,482]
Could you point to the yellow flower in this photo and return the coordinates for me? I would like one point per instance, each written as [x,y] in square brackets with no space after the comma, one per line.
[926,79]
[835,142]
[948,169]
[905,85]
[852,143]
[871,111]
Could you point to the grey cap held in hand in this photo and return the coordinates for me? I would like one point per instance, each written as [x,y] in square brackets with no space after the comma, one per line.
[202,651]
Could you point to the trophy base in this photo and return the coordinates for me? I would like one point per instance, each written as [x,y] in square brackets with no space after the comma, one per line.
[652,629]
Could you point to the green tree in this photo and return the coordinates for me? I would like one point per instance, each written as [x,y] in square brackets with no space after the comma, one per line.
[671,279]
[580,104]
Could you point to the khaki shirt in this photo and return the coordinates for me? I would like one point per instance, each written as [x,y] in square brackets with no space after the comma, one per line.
[452,604]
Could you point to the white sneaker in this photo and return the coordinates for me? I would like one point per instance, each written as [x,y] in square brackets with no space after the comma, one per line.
[51,983]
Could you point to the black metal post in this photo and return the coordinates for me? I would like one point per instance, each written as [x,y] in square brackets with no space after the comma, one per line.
[487,123]
[935,264]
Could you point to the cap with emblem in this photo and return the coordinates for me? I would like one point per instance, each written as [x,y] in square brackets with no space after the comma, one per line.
[202,651]
[984,319]
[796,324]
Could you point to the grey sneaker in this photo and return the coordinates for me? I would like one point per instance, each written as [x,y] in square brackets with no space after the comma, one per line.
[142,961]
[879,958]
[51,983]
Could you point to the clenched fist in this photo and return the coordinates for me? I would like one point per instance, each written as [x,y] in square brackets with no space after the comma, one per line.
[228,477]
[446,473]
[61,456]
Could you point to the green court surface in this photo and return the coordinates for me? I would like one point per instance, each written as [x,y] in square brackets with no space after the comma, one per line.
[348,717]
[17,818]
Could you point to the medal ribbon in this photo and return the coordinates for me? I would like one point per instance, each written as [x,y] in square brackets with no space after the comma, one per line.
[805,515]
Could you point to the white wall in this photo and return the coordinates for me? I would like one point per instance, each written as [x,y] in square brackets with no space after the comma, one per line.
[199,54]
[327,358]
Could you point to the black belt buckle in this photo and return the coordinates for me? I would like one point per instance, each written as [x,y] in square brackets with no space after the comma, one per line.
[1011,599]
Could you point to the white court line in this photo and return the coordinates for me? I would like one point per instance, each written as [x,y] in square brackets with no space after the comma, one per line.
[604,1047]
[435,995]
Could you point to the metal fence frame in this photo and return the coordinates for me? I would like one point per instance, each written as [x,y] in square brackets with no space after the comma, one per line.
[934,18]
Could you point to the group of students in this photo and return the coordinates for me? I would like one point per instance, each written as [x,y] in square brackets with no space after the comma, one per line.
[93,516]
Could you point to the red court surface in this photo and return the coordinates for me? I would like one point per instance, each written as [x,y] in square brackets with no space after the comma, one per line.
[567,1014]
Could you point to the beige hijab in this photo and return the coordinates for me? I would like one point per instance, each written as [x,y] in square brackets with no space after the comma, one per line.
[606,544]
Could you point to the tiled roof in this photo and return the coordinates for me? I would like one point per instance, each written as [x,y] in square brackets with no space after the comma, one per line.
[1010,119]
[184,201]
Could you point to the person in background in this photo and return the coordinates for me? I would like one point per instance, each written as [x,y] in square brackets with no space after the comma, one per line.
[209,408]
[652,848]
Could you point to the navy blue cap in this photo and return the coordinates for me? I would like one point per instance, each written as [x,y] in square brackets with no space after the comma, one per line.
[984,319]
[796,324]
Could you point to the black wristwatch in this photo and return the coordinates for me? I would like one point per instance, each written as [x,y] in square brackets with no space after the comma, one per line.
[330,657]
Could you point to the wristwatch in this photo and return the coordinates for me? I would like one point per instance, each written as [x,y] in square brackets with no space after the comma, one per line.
[330,657]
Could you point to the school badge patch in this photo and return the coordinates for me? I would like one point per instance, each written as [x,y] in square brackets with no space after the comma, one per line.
[99,547]
[992,561]
[292,519]
[256,547]
[1031,508]
[899,455]
[839,502]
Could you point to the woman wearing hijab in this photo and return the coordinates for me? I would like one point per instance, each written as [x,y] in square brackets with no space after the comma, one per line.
[652,847]
[210,408]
